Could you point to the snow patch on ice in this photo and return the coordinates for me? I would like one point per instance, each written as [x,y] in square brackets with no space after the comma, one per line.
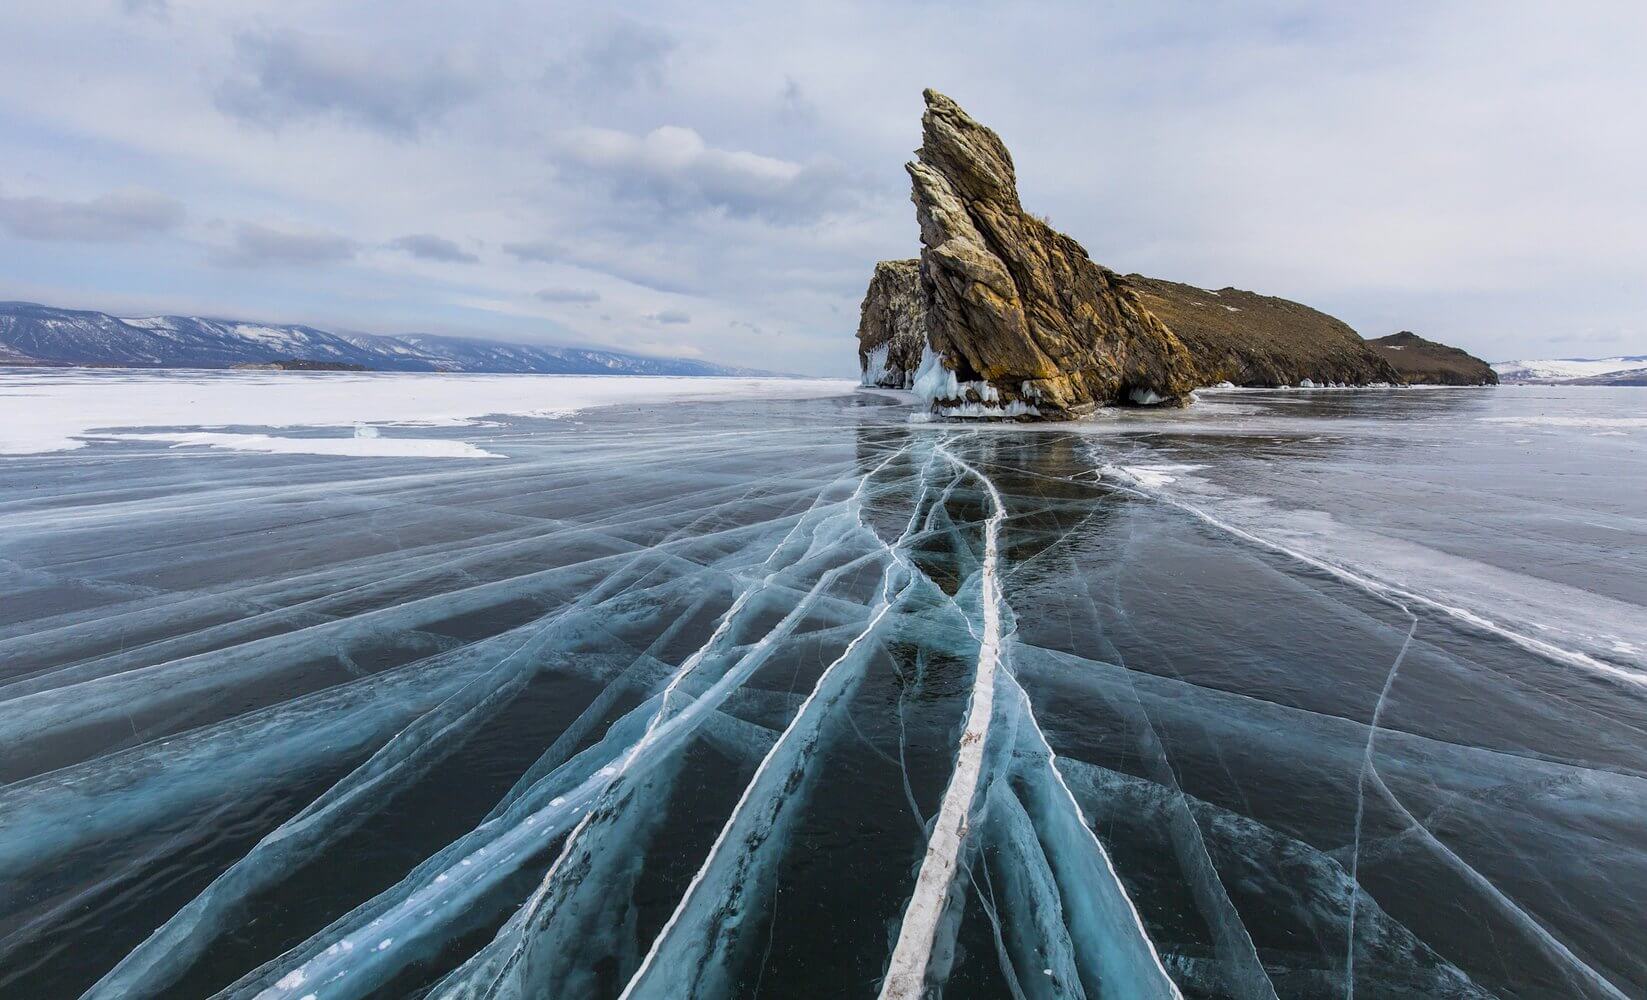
[1156,476]
[1587,423]
[1505,591]
[359,446]
[43,411]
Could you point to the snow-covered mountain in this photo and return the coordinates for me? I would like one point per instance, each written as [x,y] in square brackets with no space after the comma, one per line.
[33,334]
[1620,370]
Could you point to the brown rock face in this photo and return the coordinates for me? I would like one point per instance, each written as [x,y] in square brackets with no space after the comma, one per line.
[1015,308]
[892,325]
[1259,340]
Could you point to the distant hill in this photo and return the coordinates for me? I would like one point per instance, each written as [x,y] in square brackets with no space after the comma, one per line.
[1260,340]
[1425,362]
[33,334]
[1628,369]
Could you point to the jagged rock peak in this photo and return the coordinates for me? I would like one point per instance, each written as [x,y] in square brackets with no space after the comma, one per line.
[971,156]
[1020,321]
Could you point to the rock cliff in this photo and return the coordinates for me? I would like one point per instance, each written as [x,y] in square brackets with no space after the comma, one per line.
[1426,362]
[1019,320]
[892,325]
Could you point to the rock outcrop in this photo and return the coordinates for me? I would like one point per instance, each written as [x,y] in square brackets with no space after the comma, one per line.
[1426,362]
[1002,316]
[892,325]
[1019,320]
[1258,340]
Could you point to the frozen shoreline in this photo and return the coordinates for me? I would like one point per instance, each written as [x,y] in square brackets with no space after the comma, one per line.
[59,409]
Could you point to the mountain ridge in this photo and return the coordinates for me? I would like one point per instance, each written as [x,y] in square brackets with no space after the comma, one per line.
[32,334]
[1624,369]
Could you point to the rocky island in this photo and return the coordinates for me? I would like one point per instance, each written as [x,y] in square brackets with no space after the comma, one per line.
[1003,316]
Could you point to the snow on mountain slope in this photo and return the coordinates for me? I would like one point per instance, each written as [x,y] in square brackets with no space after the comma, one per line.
[42,335]
[1562,369]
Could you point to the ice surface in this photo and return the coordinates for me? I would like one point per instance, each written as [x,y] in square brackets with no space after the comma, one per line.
[785,696]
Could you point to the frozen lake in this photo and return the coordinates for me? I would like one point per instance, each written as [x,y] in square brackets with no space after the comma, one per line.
[454,686]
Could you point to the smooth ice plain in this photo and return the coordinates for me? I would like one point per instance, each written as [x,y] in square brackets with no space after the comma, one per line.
[732,691]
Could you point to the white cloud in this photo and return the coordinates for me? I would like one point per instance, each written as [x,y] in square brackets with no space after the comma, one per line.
[674,167]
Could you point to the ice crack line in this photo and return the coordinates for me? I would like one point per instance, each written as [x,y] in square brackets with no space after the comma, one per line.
[1121,948]
[717,885]
[1361,801]
[490,970]
[906,974]
[581,800]
[1399,598]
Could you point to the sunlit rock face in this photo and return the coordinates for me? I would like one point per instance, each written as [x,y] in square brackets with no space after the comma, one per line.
[892,326]
[1016,311]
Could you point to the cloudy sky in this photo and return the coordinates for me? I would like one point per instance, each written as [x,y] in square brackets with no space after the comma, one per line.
[716,180]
